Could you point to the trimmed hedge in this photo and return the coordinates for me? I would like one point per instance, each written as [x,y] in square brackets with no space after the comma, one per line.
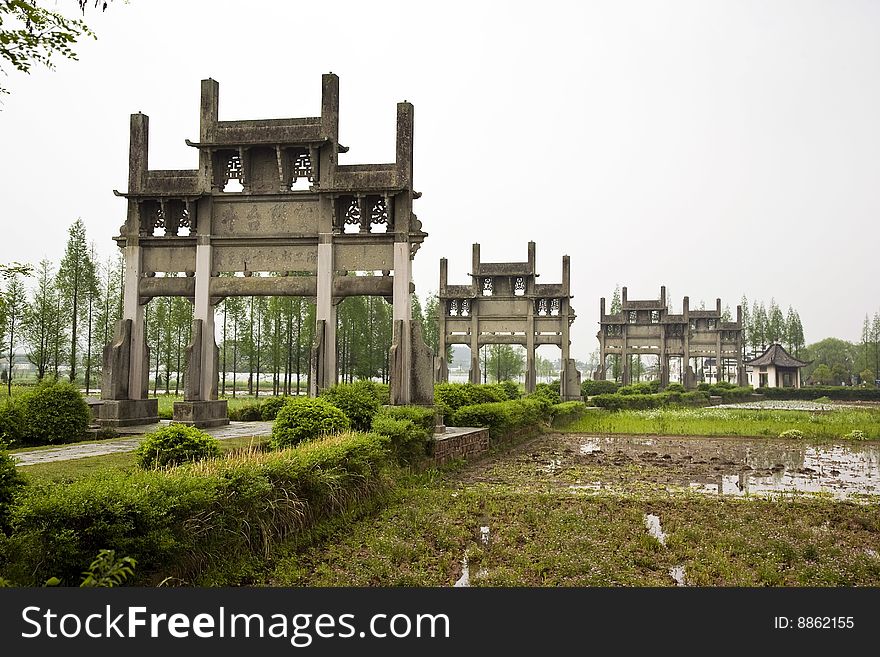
[548,390]
[420,416]
[303,418]
[503,417]
[12,422]
[640,388]
[357,400]
[176,522]
[637,402]
[54,413]
[176,444]
[449,397]
[10,483]
[590,388]
[409,441]
[566,412]
[845,393]
[247,412]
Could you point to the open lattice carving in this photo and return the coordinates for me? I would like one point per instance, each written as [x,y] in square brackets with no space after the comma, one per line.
[234,168]
[488,287]
[302,168]
[379,212]
[352,214]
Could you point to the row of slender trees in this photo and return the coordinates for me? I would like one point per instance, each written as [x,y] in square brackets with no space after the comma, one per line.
[764,325]
[63,318]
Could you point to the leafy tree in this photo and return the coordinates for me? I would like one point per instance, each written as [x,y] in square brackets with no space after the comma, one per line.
[616,307]
[725,315]
[775,323]
[504,363]
[759,327]
[746,323]
[31,34]
[77,279]
[822,375]
[15,309]
[838,355]
[41,322]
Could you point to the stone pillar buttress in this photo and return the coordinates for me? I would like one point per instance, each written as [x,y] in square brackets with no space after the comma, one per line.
[401,315]
[325,312]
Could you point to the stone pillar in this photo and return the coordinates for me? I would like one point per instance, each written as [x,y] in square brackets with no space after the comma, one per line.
[624,357]
[200,406]
[125,376]
[718,355]
[402,322]
[325,317]
[600,373]
[664,360]
[474,376]
[134,311]
[441,367]
[531,373]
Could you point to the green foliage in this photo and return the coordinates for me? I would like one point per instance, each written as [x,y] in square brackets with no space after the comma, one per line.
[107,571]
[675,387]
[549,391]
[730,393]
[589,387]
[856,434]
[357,400]
[409,440]
[176,444]
[792,433]
[176,522]
[302,418]
[420,416]
[634,402]
[10,483]
[269,407]
[12,421]
[640,388]
[566,412]
[249,411]
[848,393]
[449,397]
[511,389]
[54,412]
[503,417]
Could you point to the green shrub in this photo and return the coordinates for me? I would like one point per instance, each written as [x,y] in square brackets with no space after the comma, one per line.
[548,390]
[357,400]
[269,408]
[510,388]
[567,411]
[640,388]
[10,482]
[503,417]
[823,399]
[675,387]
[249,411]
[602,387]
[420,416]
[382,392]
[302,418]
[176,444]
[640,402]
[847,393]
[408,440]
[54,412]
[792,433]
[730,393]
[856,434]
[703,387]
[449,397]
[12,422]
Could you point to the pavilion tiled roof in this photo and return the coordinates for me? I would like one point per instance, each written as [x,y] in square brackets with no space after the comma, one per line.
[776,355]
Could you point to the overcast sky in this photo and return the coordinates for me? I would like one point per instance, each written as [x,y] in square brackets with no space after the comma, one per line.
[719,148]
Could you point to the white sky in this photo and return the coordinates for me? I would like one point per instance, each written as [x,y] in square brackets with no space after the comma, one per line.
[676,143]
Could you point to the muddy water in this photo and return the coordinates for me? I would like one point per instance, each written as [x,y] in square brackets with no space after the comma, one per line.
[737,466]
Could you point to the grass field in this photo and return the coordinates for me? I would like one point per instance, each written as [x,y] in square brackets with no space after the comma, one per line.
[729,422]
[560,539]
[60,471]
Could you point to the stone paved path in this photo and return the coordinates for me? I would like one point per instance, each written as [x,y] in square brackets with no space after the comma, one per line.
[113,446]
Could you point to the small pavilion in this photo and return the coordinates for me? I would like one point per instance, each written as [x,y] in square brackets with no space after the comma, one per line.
[775,368]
